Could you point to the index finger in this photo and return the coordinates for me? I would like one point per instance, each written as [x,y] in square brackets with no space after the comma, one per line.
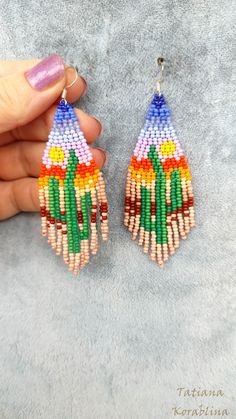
[14,66]
[10,67]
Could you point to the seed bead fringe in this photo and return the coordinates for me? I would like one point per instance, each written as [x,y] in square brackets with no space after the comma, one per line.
[71,192]
[159,202]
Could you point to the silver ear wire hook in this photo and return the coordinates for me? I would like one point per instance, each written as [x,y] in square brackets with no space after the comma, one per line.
[64,92]
[161,63]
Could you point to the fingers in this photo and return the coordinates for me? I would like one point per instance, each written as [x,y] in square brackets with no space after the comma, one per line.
[24,96]
[18,195]
[22,194]
[22,159]
[78,89]
[100,156]
[39,129]
[27,94]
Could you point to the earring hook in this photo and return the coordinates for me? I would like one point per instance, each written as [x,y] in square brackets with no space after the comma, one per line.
[64,92]
[161,63]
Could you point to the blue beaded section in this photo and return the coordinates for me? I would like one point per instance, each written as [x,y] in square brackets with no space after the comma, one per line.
[64,112]
[158,108]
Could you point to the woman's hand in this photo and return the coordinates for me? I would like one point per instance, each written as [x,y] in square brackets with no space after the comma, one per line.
[28,94]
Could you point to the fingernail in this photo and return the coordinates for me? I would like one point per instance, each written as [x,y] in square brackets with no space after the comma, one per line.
[106,156]
[85,86]
[46,72]
[101,127]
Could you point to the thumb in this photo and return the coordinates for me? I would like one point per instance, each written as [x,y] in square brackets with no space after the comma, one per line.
[24,96]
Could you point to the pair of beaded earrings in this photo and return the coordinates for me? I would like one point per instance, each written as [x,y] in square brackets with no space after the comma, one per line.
[159,197]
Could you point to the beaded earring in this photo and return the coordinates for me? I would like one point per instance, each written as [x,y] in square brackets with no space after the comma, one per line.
[71,190]
[159,197]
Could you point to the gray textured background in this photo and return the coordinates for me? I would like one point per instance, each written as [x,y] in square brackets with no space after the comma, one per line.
[118,342]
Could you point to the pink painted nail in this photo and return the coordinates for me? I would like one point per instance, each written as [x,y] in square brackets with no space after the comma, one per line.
[45,73]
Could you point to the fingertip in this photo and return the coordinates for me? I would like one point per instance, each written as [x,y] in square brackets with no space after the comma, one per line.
[79,86]
[85,86]
[105,154]
[99,124]
[100,156]
[90,125]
